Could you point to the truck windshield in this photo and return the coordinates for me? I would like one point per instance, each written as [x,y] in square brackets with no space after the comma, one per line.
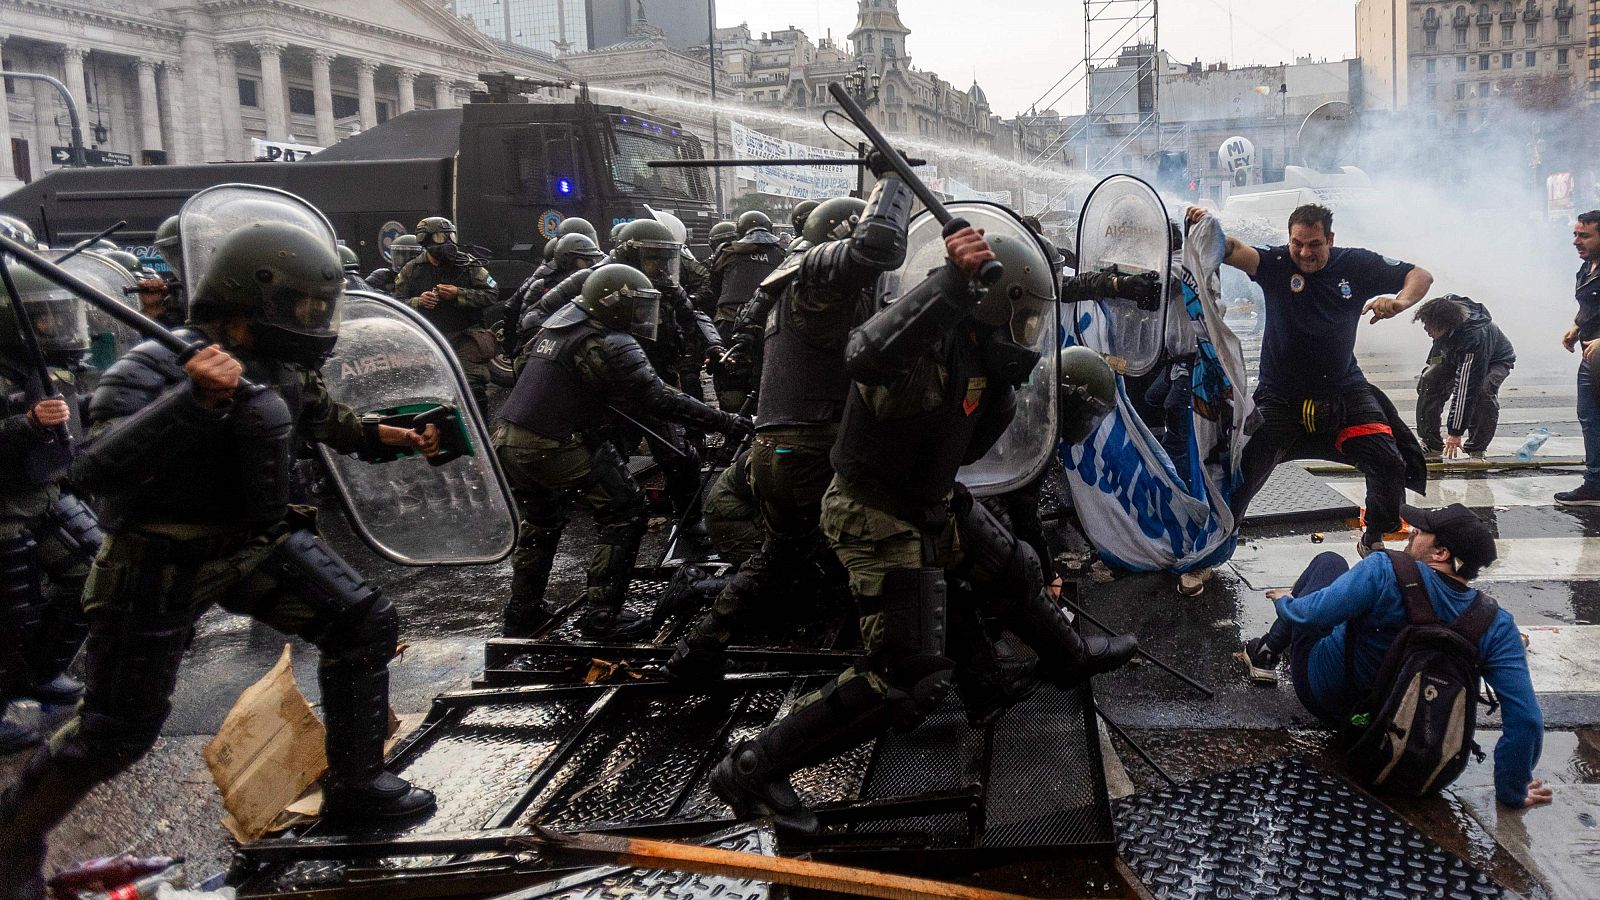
[632,175]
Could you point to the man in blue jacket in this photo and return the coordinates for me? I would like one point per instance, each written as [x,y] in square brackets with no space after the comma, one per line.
[1332,601]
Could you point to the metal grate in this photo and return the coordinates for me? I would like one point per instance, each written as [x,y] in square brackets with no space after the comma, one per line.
[1046,783]
[1292,494]
[1284,829]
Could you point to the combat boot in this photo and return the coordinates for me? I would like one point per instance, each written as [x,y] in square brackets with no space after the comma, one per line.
[355,706]
[1068,658]
[613,623]
[702,653]
[753,779]
[525,612]
[986,693]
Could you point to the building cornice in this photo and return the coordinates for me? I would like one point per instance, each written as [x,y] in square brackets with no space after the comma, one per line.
[472,44]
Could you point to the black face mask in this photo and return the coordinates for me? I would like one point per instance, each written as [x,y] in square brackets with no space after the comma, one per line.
[448,252]
[1007,361]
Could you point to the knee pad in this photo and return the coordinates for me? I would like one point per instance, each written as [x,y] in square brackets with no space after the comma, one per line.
[911,658]
[357,624]
[364,636]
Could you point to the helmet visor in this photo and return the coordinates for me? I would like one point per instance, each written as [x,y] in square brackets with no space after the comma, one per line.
[313,315]
[400,254]
[60,320]
[216,212]
[646,317]
[658,260]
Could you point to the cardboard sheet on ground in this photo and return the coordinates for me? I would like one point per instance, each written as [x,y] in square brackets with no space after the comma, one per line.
[268,755]
[267,752]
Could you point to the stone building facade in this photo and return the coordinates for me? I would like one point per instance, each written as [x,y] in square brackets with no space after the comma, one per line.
[186,81]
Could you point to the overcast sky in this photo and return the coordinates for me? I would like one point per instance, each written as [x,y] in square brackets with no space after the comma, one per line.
[1018,48]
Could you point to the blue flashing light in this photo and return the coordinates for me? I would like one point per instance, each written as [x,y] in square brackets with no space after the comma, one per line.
[563,186]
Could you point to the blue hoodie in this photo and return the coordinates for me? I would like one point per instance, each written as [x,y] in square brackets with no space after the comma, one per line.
[1367,599]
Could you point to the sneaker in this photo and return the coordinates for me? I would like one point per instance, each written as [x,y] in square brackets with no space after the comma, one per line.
[1583,496]
[381,798]
[1262,662]
[1193,584]
[1432,455]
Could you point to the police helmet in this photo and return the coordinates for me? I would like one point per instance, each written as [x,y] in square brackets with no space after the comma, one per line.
[550,249]
[622,298]
[648,245]
[438,237]
[801,211]
[616,230]
[722,233]
[59,317]
[18,230]
[285,280]
[349,260]
[833,219]
[403,249]
[1087,392]
[576,250]
[1020,300]
[750,221]
[128,261]
[577,225]
[169,243]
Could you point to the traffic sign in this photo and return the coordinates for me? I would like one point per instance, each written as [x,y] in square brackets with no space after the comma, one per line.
[62,156]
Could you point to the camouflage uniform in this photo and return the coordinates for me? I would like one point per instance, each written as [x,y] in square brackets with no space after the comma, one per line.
[461,320]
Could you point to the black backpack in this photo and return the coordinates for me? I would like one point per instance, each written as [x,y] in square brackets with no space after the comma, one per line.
[1413,732]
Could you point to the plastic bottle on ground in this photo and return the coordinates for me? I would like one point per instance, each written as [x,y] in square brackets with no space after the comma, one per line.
[1536,439]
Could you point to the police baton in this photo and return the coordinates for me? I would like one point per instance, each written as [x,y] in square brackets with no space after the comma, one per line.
[41,468]
[113,307]
[90,242]
[988,273]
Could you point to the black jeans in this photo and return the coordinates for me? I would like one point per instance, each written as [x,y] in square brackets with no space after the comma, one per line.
[1324,570]
[1350,428]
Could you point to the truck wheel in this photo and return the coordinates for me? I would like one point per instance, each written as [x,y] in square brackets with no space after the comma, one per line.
[502,369]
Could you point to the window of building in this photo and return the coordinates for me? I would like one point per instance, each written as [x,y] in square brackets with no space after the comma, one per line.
[1505,32]
[1461,36]
[1461,90]
[247,93]
[1483,62]
[1432,92]
[1563,28]
[1530,59]
[1431,65]
[1505,60]
[1530,31]
[1213,158]
[1266,157]
[1483,34]
[383,111]
[1561,57]
[345,106]
[1461,64]
[888,46]
[1430,38]
[302,101]
[1483,89]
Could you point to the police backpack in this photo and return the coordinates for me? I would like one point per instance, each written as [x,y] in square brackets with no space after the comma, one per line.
[1413,732]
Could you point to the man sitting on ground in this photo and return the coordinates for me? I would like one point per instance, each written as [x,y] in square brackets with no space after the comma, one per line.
[1332,600]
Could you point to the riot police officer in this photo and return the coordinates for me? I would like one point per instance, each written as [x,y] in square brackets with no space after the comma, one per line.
[403,249]
[935,376]
[571,253]
[169,245]
[797,220]
[577,225]
[352,269]
[586,358]
[45,530]
[820,296]
[450,288]
[718,237]
[215,528]
[737,270]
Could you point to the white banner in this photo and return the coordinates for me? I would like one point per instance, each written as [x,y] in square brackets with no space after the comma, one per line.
[960,190]
[280,151]
[1036,201]
[798,182]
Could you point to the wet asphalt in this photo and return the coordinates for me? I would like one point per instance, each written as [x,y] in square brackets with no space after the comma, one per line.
[167,803]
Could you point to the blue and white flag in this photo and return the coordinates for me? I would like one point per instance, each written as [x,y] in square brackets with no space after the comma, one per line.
[1137,510]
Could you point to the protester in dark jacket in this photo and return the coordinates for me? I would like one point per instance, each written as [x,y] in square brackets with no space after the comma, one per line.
[1470,359]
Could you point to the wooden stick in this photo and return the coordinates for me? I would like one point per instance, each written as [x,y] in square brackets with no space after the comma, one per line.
[672,856]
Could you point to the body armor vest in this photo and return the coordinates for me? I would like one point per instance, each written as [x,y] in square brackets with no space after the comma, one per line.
[741,274]
[915,458]
[550,398]
[803,378]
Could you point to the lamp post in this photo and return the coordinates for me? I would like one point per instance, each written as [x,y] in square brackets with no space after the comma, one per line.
[716,120]
[864,87]
[1283,124]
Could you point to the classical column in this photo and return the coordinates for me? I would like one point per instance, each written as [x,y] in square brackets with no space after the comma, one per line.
[322,91]
[72,63]
[444,95]
[6,169]
[273,100]
[407,80]
[203,100]
[233,138]
[149,116]
[366,95]
[179,127]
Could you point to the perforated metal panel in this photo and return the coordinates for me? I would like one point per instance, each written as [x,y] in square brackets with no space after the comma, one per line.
[1292,494]
[1284,829]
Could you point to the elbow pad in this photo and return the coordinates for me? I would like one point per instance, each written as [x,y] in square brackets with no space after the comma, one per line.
[887,344]
[879,241]
[263,433]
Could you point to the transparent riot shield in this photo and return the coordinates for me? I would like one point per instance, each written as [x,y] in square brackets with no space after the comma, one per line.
[1024,450]
[108,338]
[212,214]
[390,362]
[1123,227]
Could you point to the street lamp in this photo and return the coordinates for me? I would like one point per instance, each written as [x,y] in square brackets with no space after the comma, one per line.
[863,87]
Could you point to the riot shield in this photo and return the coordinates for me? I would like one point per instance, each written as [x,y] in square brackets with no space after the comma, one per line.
[108,338]
[212,214]
[390,362]
[1124,226]
[1024,450]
